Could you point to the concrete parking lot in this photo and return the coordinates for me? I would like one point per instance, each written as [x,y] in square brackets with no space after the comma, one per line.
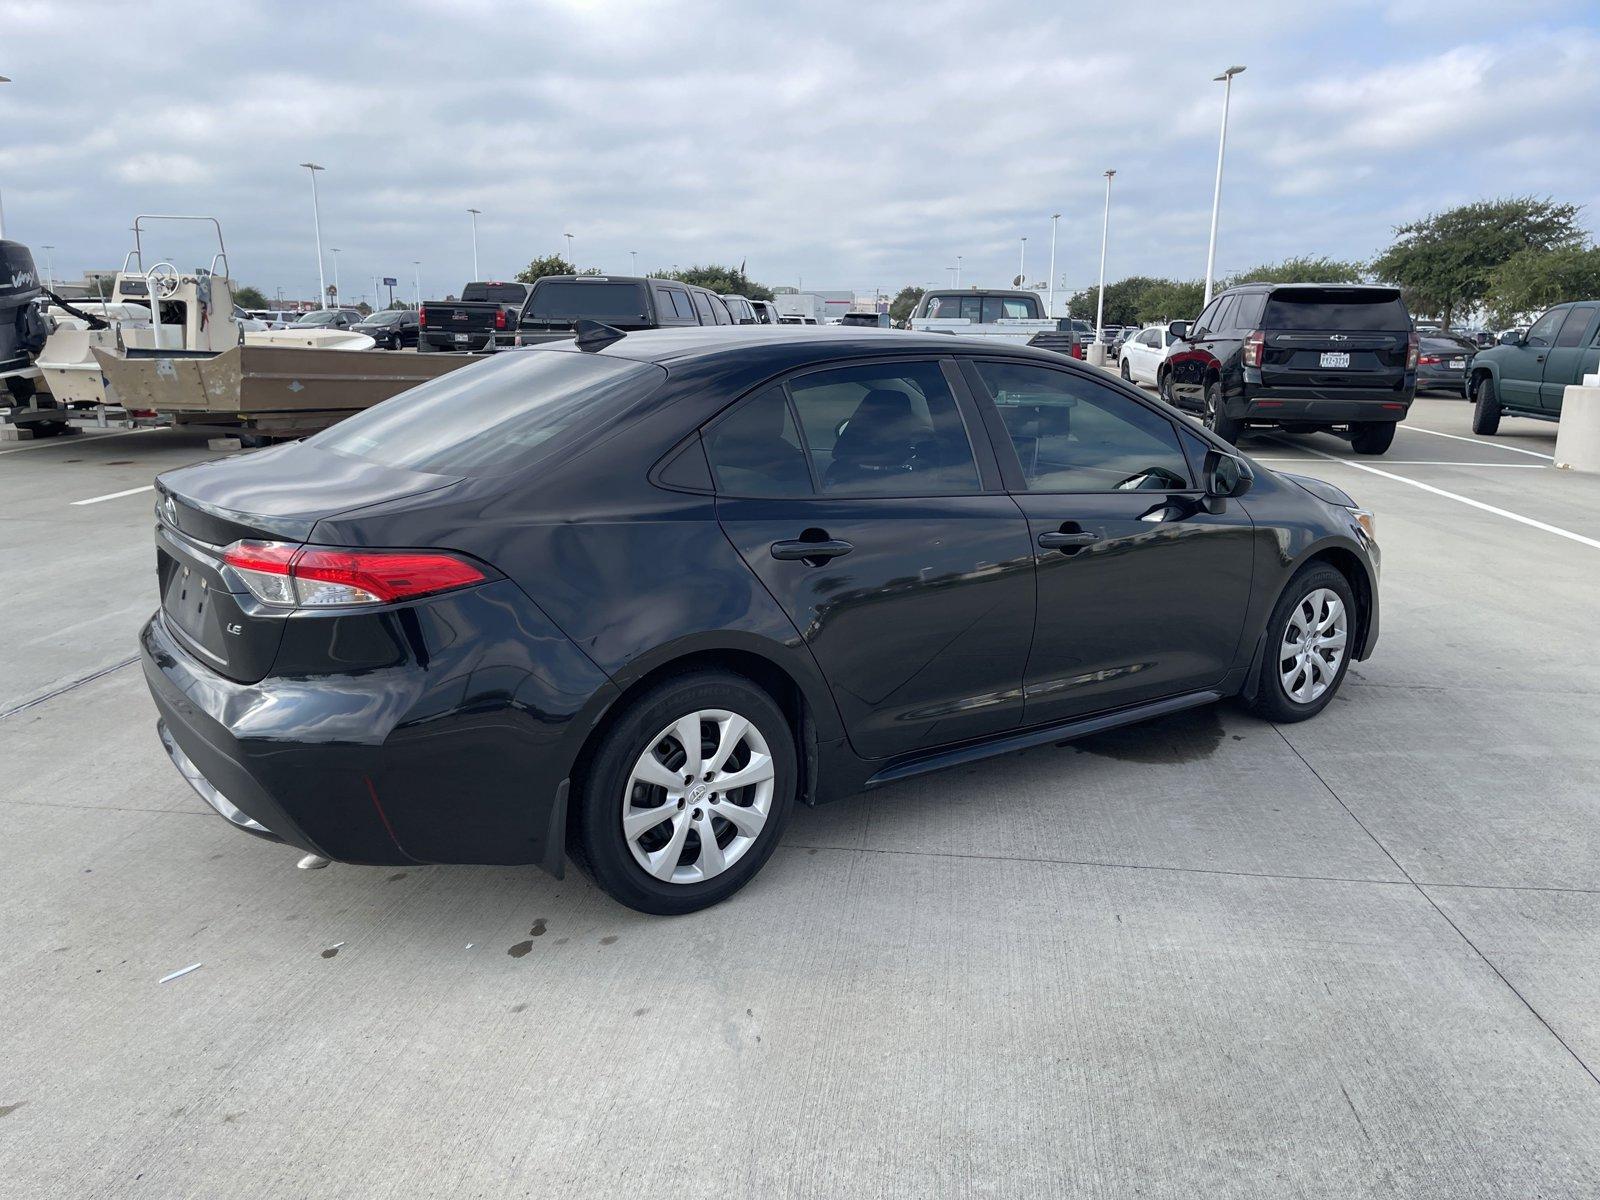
[1208,957]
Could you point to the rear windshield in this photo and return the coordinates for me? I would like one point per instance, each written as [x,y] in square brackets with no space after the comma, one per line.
[500,293]
[567,300]
[1337,308]
[498,416]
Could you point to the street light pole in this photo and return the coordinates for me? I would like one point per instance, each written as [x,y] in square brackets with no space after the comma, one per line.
[570,259]
[334,250]
[958,270]
[416,266]
[476,213]
[1226,79]
[1022,265]
[634,256]
[3,79]
[316,224]
[1050,304]
[49,267]
[1105,228]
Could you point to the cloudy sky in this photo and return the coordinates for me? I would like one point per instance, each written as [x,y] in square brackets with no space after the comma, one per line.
[845,145]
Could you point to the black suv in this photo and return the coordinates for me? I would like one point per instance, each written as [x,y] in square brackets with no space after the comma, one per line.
[1300,357]
[558,302]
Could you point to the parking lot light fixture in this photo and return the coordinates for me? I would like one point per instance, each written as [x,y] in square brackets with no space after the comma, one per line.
[633,255]
[1105,228]
[570,259]
[1050,281]
[416,267]
[1226,80]
[316,226]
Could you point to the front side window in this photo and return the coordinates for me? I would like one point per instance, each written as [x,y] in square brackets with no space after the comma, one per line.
[1206,321]
[885,429]
[1544,329]
[755,451]
[1074,435]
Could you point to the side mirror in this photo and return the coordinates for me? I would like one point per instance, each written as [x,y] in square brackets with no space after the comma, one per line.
[1227,474]
[1178,331]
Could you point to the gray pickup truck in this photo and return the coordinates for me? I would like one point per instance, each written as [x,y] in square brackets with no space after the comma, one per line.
[485,318]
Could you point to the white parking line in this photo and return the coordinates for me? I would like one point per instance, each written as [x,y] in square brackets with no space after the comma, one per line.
[1467,500]
[1456,437]
[1423,462]
[149,487]
[46,443]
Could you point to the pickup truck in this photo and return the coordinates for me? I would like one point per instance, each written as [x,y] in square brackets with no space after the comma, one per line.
[626,302]
[485,318]
[1002,315]
[1528,374]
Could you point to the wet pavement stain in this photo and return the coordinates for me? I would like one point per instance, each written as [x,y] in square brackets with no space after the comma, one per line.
[331,952]
[538,928]
[7,1109]
[639,1012]
[608,939]
[562,941]
[1181,738]
[519,1008]
[520,949]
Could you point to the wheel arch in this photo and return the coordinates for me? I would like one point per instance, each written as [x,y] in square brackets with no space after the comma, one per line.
[1349,564]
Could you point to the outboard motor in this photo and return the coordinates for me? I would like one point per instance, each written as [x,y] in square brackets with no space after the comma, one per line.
[23,327]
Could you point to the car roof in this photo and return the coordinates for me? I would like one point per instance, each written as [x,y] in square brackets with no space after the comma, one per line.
[793,345]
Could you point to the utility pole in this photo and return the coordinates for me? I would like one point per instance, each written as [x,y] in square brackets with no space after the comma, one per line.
[316,224]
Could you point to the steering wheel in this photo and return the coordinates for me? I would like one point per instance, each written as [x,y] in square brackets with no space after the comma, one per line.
[164,280]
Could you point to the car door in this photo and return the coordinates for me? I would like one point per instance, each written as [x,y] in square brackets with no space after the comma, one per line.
[901,561]
[1565,361]
[1522,370]
[1143,581]
[1192,360]
[1145,355]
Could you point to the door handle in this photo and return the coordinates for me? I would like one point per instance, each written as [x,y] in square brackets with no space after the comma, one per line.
[814,553]
[1067,541]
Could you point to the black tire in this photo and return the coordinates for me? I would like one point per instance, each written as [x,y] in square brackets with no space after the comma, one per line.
[595,837]
[1225,427]
[1164,387]
[1372,437]
[1486,409]
[1123,370]
[1271,702]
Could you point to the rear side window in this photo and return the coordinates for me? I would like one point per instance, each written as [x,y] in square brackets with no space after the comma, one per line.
[885,429]
[1075,435]
[755,451]
[498,416]
[567,300]
[703,307]
[1248,315]
[1370,310]
[1576,325]
[681,308]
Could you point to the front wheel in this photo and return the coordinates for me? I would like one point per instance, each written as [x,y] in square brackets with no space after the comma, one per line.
[1486,409]
[1164,386]
[1225,427]
[1309,639]
[1127,375]
[687,795]
[1372,437]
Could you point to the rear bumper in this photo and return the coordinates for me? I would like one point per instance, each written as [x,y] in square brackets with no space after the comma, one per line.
[450,758]
[1323,407]
[446,340]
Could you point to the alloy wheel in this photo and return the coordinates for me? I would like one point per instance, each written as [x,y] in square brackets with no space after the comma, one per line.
[698,797]
[1313,646]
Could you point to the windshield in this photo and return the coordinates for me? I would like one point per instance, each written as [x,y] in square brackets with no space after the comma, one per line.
[383,318]
[498,416]
[318,318]
[567,300]
[1361,309]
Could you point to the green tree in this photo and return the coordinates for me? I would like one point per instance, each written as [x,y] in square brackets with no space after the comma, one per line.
[1172,300]
[1124,300]
[249,297]
[550,264]
[1444,262]
[904,301]
[720,279]
[1303,270]
[1531,281]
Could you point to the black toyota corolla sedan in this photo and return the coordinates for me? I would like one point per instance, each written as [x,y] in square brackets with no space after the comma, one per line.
[633,597]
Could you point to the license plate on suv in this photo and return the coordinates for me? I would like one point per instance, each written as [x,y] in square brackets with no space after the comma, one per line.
[1336,358]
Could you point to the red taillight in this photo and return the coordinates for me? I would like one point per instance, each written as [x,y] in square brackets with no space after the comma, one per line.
[1255,348]
[1429,360]
[1413,346]
[500,318]
[422,315]
[1077,349]
[282,574]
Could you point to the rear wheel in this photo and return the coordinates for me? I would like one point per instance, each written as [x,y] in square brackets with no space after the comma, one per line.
[1372,437]
[1164,385]
[1126,374]
[687,795]
[1486,409]
[1225,427]
[1309,639]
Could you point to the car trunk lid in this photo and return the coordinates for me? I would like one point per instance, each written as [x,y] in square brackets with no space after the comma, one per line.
[275,495]
[1335,337]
